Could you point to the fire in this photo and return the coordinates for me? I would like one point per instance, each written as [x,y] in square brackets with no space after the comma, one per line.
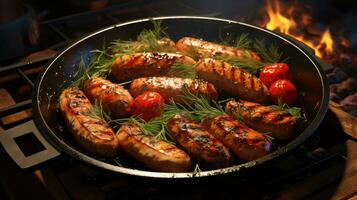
[284,22]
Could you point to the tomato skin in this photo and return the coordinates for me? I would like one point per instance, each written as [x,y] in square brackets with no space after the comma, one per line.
[283,91]
[271,73]
[148,105]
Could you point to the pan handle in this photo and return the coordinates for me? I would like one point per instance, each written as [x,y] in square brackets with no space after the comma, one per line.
[11,141]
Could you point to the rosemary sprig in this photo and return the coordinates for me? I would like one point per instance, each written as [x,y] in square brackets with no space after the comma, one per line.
[294,111]
[182,70]
[200,107]
[242,41]
[99,65]
[97,112]
[147,41]
[269,54]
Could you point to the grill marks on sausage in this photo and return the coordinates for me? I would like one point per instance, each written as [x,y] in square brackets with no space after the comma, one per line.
[91,132]
[264,118]
[233,80]
[172,88]
[198,142]
[243,141]
[154,153]
[138,65]
[114,98]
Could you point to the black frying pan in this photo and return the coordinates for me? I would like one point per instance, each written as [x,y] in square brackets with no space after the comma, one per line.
[307,73]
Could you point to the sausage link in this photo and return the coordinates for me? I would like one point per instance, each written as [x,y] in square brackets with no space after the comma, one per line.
[138,65]
[232,80]
[154,153]
[172,88]
[193,46]
[279,123]
[198,142]
[244,142]
[92,133]
[114,98]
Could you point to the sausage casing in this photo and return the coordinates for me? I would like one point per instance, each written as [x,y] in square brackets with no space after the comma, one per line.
[92,133]
[154,153]
[232,80]
[138,65]
[114,98]
[263,118]
[198,142]
[244,142]
[194,46]
[172,88]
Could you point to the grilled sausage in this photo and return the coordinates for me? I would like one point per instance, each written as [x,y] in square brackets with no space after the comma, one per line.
[138,65]
[263,118]
[154,153]
[194,46]
[172,88]
[114,98]
[244,142]
[232,80]
[92,133]
[198,142]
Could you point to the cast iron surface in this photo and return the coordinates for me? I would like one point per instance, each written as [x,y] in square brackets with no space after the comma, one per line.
[307,73]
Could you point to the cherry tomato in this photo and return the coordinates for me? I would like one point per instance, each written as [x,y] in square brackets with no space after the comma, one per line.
[148,105]
[283,91]
[271,73]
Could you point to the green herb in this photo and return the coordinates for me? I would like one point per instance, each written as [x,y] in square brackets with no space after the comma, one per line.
[294,111]
[249,65]
[269,54]
[156,127]
[147,41]
[242,41]
[99,65]
[182,70]
[97,112]
[200,107]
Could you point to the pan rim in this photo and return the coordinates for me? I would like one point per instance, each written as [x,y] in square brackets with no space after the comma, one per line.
[63,147]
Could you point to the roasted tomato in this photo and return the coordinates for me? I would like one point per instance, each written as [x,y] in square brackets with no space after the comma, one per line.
[283,91]
[148,105]
[271,73]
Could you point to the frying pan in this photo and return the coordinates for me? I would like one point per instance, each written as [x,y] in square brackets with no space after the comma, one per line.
[307,73]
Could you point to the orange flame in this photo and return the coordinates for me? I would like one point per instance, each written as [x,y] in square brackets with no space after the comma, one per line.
[286,24]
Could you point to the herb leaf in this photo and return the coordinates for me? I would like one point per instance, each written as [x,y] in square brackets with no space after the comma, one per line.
[155,40]
[242,41]
[182,70]
[269,54]
[294,111]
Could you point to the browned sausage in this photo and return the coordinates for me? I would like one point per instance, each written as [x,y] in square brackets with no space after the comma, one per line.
[198,142]
[92,133]
[154,153]
[232,80]
[264,118]
[138,65]
[244,142]
[172,88]
[114,98]
[193,46]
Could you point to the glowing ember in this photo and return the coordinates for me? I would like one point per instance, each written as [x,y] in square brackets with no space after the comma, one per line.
[284,22]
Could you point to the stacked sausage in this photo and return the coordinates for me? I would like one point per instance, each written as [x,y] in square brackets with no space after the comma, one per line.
[211,141]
